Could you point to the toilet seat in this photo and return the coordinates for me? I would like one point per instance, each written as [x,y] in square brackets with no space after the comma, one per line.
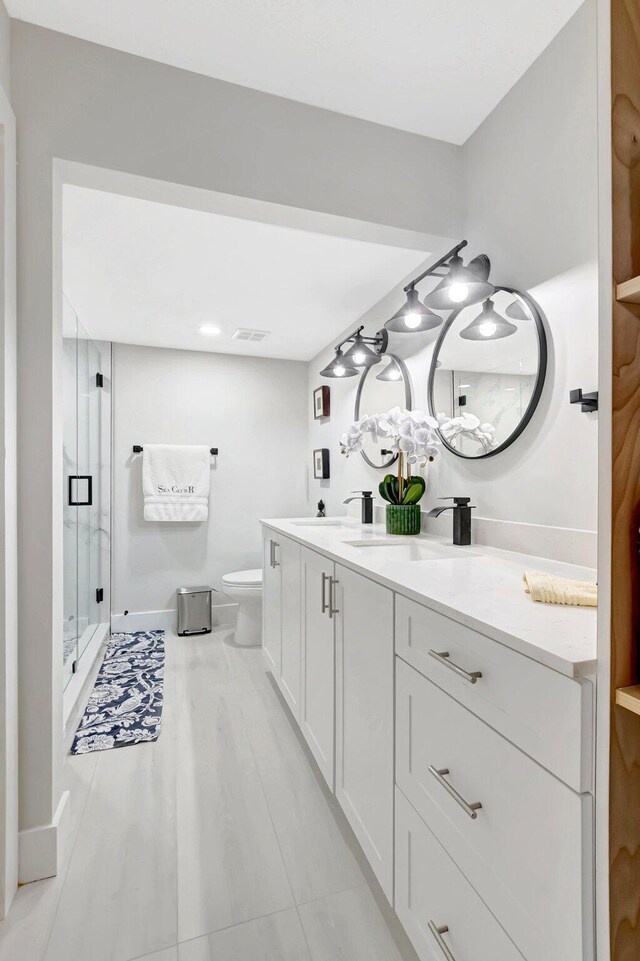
[252,578]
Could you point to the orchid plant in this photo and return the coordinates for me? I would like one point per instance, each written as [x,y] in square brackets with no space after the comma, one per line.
[412,435]
[416,438]
[467,425]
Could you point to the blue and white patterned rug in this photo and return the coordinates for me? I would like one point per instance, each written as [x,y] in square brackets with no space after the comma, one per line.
[125,706]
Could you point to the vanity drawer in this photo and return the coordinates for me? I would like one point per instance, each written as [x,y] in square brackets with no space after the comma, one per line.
[528,849]
[430,890]
[548,715]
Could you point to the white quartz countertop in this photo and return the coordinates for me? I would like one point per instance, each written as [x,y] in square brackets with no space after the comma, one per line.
[478,586]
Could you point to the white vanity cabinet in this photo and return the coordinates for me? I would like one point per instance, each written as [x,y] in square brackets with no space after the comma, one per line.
[281,615]
[464,766]
[290,680]
[271,602]
[438,908]
[364,717]
[517,833]
[319,599]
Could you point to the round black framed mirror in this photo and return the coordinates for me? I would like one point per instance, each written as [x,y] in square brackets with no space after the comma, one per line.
[381,388]
[487,373]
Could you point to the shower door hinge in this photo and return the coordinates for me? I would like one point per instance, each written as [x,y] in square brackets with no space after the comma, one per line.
[99,594]
[99,380]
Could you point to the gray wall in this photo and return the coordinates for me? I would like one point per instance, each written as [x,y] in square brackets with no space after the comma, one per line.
[531,204]
[255,411]
[8,492]
[76,101]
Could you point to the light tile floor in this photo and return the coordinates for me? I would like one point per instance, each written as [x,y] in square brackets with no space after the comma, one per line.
[218,842]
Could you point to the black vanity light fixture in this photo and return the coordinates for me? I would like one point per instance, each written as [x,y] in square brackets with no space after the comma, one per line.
[391,372]
[338,367]
[413,316]
[462,285]
[362,352]
[488,325]
[459,286]
[516,311]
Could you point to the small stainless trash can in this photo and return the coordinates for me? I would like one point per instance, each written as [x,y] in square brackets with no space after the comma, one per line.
[194,610]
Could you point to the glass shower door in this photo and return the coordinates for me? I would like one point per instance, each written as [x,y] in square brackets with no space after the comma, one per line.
[70,461]
[88,523]
[82,491]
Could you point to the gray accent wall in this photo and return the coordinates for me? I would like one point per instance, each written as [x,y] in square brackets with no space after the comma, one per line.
[80,102]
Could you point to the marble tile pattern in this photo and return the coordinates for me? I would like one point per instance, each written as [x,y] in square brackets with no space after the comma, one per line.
[217,842]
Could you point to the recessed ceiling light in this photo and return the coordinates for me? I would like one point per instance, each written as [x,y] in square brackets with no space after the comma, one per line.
[210,330]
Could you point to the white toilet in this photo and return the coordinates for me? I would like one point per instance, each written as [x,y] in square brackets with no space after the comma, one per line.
[245,588]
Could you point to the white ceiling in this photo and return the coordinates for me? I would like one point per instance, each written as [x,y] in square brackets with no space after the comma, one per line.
[434,67]
[142,272]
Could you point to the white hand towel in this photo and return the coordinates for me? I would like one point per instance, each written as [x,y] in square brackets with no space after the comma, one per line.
[175,482]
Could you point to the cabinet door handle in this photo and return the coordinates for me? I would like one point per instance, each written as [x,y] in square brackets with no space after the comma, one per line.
[470,809]
[332,610]
[442,658]
[270,553]
[437,931]
[275,562]
[325,606]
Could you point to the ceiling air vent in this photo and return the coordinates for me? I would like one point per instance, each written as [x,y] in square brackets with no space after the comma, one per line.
[243,333]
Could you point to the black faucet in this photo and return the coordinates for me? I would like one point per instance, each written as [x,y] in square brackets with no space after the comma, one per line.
[367,505]
[461,508]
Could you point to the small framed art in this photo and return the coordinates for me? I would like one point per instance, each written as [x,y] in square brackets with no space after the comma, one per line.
[321,402]
[321,463]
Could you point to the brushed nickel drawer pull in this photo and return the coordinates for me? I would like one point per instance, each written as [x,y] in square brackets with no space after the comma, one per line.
[332,610]
[275,562]
[437,932]
[270,553]
[325,606]
[442,658]
[470,809]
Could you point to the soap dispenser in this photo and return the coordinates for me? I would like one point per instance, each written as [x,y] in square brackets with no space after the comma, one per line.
[321,509]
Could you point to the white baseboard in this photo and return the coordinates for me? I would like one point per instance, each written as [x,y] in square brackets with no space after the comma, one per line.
[40,849]
[222,614]
[144,621]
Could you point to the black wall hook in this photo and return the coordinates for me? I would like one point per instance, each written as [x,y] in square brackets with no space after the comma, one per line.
[588,402]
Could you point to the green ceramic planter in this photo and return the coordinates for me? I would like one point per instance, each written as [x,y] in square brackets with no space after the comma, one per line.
[403,518]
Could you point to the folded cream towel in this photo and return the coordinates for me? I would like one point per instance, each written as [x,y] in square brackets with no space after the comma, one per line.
[175,482]
[559,590]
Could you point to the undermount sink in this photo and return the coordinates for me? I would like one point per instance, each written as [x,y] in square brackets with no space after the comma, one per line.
[321,522]
[403,550]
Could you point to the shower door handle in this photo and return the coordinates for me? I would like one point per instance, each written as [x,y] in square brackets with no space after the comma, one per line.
[79,485]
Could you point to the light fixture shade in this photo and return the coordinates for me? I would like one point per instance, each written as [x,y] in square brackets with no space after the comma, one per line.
[488,325]
[338,368]
[413,316]
[463,285]
[391,372]
[516,311]
[360,354]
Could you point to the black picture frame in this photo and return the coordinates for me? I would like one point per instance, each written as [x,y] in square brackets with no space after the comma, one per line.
[321,469]
[321,402]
